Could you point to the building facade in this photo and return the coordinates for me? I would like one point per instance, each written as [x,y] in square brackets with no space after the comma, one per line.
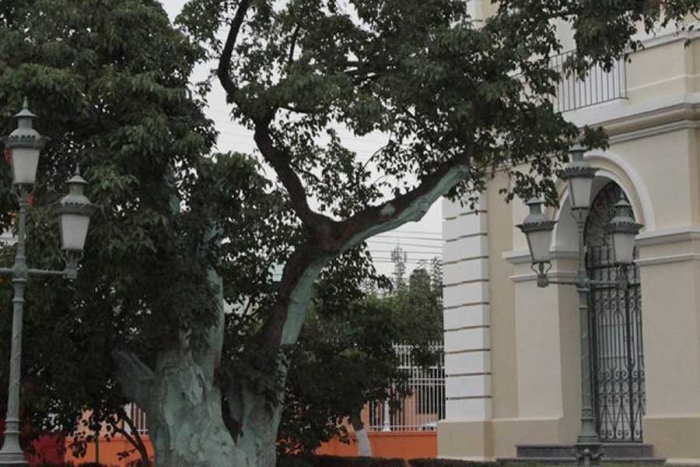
[513,349]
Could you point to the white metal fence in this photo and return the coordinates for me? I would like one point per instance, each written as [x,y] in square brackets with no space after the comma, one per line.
[138,418]
[425,403]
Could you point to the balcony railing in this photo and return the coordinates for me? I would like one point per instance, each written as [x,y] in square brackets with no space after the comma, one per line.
[597,87]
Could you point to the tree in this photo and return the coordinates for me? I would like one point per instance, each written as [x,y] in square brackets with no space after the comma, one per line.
[345,357]
[110,83]
[179,232]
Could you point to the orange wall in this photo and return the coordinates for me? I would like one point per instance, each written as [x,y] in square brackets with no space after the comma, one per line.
[401,444]
[109,452]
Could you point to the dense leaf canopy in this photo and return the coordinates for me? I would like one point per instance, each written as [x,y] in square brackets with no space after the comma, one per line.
[346,355]
[109,82]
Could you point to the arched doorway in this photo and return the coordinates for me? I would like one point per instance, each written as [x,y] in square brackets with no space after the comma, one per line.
[616,324]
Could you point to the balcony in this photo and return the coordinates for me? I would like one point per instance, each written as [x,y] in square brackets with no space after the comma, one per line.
[598,87]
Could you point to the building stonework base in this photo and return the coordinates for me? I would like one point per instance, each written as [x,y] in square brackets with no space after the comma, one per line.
[498,438]
[465,440]
[675,438]
[510,432]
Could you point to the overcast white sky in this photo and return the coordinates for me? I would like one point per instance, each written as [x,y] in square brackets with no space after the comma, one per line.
[421,240]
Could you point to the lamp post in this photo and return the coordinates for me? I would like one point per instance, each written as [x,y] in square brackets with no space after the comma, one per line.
[538,230]
[25,145]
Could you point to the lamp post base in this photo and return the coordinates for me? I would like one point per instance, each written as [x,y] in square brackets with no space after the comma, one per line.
[589,454]
[11,453]
[12,459]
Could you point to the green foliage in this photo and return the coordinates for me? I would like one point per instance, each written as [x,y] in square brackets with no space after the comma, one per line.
[336,461]
[346,358]
[432,462]
[442,87]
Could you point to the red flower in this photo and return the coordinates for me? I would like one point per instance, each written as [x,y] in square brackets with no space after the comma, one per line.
[8,156]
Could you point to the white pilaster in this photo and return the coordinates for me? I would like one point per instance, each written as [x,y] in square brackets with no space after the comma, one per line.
[466,312]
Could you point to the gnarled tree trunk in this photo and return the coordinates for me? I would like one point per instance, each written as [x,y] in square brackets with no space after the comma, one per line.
[258,421]
[183,403]
[185,419]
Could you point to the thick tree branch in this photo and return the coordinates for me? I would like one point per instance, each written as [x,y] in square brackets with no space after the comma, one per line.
[224,70]
[410,206]
[305,265]
[135,377]
[288,313]
[321,226]
[136,441]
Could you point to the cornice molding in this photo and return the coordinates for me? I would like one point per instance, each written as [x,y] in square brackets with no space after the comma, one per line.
[516,256]
[523,256]
[668,259]
[623,121]
[655,130]
[553,275]
[667,236]
[668,37]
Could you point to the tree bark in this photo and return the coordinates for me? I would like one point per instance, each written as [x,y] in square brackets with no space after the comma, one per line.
[259,414]
[183,403]
[364,447]
[185,419]
[258,421]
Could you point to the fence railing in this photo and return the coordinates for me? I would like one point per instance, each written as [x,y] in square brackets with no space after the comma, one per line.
[425,403]
[138,418]
[597,87]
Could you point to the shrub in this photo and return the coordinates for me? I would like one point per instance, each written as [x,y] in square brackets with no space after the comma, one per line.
[429,462]
[336,461]
[70,464]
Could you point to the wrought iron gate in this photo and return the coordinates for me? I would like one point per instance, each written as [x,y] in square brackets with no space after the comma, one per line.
[616,337]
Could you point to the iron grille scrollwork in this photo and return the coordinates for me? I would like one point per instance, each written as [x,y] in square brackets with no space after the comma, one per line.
[616,324]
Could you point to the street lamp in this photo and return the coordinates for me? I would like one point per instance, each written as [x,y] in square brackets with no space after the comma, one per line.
[579,176]
[623,229]
[24,145]
[538,231]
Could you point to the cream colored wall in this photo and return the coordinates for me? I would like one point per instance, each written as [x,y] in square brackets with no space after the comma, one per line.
[534,333]
[503,353]
[670,277]
[668,169]
[659,71]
